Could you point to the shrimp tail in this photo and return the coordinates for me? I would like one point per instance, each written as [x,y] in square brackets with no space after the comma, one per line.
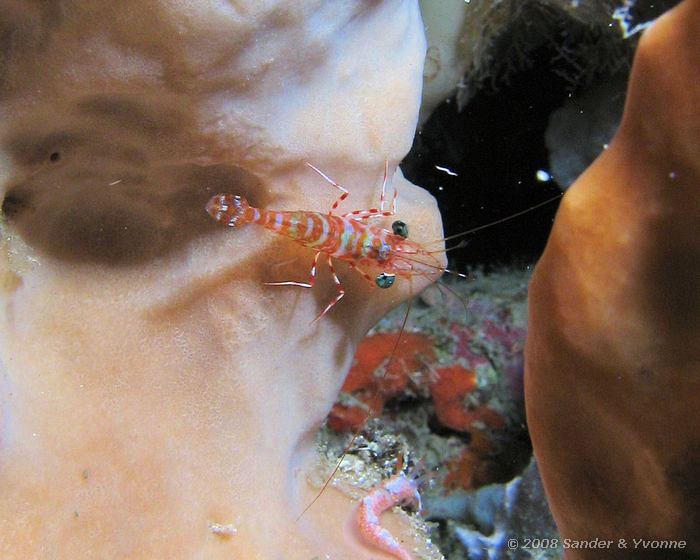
[230,209]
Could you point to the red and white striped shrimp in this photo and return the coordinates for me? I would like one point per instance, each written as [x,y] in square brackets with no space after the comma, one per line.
[347,237]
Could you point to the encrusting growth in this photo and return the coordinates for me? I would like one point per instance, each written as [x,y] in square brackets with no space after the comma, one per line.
[398,490]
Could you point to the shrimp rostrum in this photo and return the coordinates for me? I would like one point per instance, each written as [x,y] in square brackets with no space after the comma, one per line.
[348,237]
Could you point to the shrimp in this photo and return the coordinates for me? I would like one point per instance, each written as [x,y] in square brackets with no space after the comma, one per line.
[348,237]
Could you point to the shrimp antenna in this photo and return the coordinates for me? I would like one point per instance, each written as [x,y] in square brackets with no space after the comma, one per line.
[458,274]
[369,413]
[443,285]
[502,220]
[461,245]
[404,257]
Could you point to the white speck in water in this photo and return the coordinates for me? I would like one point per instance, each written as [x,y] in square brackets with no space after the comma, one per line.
[223,530]
[673,175]
[623,16]
[543,176]
[446,170]
[34,434]
[605,146]
[441,188]
[115,182]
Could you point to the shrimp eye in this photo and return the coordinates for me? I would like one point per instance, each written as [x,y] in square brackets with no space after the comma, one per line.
[400,228]
[385,280]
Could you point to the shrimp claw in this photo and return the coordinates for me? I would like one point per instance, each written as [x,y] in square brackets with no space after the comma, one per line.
[399,490]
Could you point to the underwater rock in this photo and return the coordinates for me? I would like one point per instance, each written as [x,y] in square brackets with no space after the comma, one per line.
[613,350]
[445,61]
[580,130]
[486,521]
[482,43]
[475,467]
[488,445]
[139,343]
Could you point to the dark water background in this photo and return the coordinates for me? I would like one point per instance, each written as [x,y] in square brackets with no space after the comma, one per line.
[495,145]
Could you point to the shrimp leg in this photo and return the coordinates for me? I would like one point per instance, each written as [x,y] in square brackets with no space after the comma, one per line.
[338,286]
[361,214]
[343,191]
[377,212]
[363,273]
[310,284]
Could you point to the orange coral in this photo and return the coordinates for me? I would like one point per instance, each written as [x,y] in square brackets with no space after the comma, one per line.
[370,384]
[474,467]
[449,389]
[347,418]
[452,383]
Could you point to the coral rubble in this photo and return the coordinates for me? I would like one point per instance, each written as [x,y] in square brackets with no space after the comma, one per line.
[457,412]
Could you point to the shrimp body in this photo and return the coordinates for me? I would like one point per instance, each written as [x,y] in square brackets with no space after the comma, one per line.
[341,237]
[348,238]
[398,490]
